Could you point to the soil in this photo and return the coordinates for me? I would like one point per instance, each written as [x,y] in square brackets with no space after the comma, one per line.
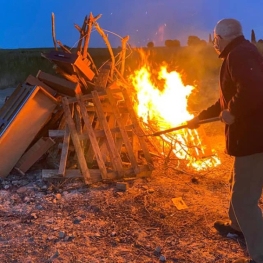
[66,221]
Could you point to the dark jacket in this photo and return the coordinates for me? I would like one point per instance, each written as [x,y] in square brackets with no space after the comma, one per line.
[241,92]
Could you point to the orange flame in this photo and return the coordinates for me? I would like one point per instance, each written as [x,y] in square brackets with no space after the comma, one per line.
[167,108]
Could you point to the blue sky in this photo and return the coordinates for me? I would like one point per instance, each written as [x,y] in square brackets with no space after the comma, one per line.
[27,23]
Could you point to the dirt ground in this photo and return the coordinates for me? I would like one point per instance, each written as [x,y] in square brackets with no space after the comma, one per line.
[66,221]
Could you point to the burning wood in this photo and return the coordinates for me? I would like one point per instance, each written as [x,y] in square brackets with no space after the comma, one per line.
[161,108]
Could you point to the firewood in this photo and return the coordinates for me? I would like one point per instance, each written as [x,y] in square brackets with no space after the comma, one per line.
[106,40]
[87,35]
[63,47]
[123,53]
[53,30]
[82,31]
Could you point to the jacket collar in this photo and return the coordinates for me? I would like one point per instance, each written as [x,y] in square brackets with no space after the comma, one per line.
[235,42]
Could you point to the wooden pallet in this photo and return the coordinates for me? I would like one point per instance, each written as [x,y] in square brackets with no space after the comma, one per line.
[105,133]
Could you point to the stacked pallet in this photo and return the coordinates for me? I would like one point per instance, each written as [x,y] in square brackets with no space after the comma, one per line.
[85,115]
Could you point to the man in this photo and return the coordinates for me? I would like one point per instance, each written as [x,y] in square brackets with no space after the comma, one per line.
[240,107]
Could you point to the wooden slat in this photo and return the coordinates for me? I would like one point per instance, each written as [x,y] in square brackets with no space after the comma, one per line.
[15,101]
[98,133]
[82,64]
[78,121]
[124,134]
[115,157]
[93,139]
[34,154]
[118,138]
[61,85]
[95,173]
[31,80]
[102,79]
[64,152]
[75,139]
[90,153]
[137,128]
[71,173]
[103,140]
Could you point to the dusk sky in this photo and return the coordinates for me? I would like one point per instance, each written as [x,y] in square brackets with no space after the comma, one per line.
[27,23]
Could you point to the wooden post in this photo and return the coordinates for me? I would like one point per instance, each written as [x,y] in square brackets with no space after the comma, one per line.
[64,152]
[75,139]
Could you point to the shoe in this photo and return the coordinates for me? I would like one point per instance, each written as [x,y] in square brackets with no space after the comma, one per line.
[224,229]
[244,260]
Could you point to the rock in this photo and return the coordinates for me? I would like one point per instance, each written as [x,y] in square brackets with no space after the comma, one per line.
[27,199]
[22,190]
[61,234]
[121,186]
[113,234]
[76,221]
[34,215]
[39,207]
[195,180]
[157,251]
[3,194]
[58,196]
[162,258]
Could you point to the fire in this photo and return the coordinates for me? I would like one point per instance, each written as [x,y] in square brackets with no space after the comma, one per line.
[164,108]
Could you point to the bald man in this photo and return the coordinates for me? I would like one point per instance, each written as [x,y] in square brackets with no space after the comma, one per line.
[240,106]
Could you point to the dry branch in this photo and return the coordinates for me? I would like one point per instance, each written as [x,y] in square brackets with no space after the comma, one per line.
[53,30]
[82,31]
[89,23]
[63,47]
[106,40]
[123,53]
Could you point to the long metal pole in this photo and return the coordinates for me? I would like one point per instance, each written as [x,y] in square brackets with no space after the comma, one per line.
[184,126]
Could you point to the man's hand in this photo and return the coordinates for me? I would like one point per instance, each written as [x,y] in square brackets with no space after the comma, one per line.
[227,117]
[193,124]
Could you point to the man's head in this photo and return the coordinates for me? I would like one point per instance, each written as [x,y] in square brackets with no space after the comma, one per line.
[224,32]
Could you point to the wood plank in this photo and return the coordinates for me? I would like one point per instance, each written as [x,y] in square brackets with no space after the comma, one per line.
[92,138]
[95,174]
[114,154]
[16,101]
[82,64]
[61,85]
[25,123]
[118,138]
[52,123]
[34,153]
[102,79]
[64,152]
[31,80]
[124,134]
[103,141]
[78,121]
[98,133]
[89,96]
[137,128]
[75,139]
[71,173]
